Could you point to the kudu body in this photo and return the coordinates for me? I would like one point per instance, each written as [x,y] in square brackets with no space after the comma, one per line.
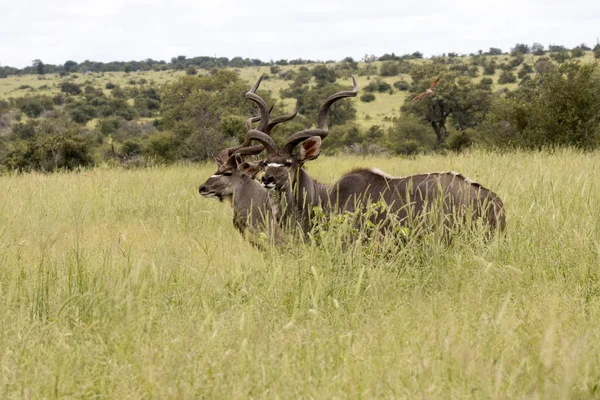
[451,197]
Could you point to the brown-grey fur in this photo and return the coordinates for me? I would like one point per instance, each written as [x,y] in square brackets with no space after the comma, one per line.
[253,211]
[454,197]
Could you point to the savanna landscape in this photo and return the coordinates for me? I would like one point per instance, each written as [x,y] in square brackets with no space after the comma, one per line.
[118,280]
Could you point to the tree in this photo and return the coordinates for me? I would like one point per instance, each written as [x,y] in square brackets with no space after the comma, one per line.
[596,50]
[456,99]
[538,49]
[39,66]
[558,108]
[520,48]
[323,75]
[557,48]
[70,66]
[494,51]
[197,111]
[560,57]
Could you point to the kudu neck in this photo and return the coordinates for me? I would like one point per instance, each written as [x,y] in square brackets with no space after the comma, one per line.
[307,192]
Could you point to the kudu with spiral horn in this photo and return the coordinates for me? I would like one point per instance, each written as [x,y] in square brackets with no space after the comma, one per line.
[253,212]
[451,195]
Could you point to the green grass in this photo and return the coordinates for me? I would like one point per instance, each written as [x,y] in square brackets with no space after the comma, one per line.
[128,284]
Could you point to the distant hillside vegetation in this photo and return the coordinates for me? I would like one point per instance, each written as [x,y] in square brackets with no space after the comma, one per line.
[83,114]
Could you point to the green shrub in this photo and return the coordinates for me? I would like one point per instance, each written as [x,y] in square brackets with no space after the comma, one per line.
[389,68]
[367,97]
[507,77]
[402,85]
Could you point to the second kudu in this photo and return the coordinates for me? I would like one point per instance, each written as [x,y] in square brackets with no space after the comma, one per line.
[449,197]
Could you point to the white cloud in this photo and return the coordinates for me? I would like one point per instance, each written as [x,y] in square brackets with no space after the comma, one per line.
[56,31]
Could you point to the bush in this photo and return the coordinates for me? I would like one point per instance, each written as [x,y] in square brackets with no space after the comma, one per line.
[202,145]
[473,71]
[389,68]
[507,77]
[83,113]
[367,97]
[559,108]
[490,68]
[163,146]
[34,106]
[70,88]
[560,57]
[486,82]
[410,136]
[110,85]
[402,85]
[378,85]
[526,69]
[577,52]
[543,65]
[460,141]
[54,145]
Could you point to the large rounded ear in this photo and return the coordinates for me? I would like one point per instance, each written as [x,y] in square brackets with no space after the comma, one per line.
[250,169]
[310,149]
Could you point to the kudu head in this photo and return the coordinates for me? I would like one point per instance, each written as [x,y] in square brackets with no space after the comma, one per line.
[231,168]
[281,165]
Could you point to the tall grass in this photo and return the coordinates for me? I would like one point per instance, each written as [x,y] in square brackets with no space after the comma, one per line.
[128,284]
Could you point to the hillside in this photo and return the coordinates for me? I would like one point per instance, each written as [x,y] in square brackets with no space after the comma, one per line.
[181,112]
[378,112]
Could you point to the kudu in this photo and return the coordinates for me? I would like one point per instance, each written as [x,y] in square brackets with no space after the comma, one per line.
[234,180]
[449,197]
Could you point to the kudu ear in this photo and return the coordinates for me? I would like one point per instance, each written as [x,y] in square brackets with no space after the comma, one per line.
[310,149]
[250,169]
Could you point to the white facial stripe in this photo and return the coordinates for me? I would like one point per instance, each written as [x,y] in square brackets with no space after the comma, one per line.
[215,176]
[274,165]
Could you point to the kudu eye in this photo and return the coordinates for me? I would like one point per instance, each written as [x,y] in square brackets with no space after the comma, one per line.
[287,164]
[228,173]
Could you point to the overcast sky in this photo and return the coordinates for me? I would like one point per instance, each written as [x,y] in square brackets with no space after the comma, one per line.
[116,30]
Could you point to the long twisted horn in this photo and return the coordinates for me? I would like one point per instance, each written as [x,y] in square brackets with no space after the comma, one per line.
[283,118]
[322,121]
[262,105]
[322,129]
[225,154]
[264,139]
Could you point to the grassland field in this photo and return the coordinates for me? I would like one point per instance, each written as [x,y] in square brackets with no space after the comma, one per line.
[127,284]
[378,112]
